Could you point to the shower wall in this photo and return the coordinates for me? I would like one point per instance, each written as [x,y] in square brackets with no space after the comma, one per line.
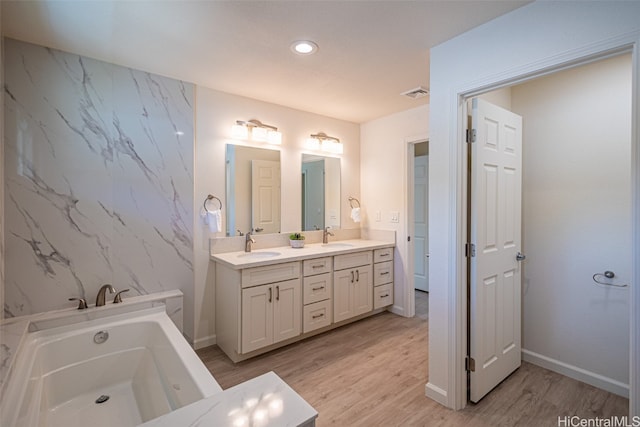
[98,173]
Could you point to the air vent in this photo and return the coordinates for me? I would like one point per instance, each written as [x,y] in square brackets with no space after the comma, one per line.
[416,93]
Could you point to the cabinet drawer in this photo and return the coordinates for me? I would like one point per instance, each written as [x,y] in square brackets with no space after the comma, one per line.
[382,273]
[317,288]
[270,273]
[317,315]
[385,254]
[382,295]
[316,266]
[340,262]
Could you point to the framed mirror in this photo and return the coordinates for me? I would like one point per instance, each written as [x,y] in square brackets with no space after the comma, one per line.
[252,190]
[320,192]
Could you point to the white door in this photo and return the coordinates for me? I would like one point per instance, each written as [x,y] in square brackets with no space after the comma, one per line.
[363,290]
[257,317]
[342,295]
[495,310]
[421,237]
[265,196]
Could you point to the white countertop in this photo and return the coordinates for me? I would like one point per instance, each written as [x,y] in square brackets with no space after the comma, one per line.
[260,402]
[260,257]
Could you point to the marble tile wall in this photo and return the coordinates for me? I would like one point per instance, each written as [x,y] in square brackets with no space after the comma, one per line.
[98,174]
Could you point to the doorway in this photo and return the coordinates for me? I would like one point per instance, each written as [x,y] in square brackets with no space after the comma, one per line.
[576,214]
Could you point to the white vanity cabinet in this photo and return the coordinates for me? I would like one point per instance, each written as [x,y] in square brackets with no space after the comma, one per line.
[352,285]
[317,294]
[382,277]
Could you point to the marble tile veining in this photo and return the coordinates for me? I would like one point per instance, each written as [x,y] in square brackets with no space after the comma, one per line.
[98,173]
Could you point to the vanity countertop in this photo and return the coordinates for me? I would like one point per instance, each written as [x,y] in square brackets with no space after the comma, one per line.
[265,401]
[260,257]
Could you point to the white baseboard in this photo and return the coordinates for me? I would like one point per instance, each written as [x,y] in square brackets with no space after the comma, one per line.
[204,342]
[576,373]
[436,393]
[396,309]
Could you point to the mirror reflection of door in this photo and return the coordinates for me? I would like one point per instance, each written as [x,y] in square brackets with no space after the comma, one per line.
[313,195]
[265,196]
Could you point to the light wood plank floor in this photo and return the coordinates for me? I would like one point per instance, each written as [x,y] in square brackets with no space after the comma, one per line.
[373,373]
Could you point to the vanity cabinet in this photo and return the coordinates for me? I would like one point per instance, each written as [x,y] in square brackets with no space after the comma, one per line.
[317,294]
[353,285]
[382,277]
[270,314]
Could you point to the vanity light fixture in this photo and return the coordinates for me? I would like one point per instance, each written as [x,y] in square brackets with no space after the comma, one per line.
[256,131]
[323,142]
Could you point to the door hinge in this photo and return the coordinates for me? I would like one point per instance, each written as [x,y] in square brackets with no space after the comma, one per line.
[471,135]
[470,364]
[469,250]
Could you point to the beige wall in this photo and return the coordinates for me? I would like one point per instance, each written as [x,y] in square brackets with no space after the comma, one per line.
[216,112]
[383,178]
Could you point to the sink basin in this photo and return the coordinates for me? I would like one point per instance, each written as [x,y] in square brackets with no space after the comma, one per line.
[337,245]
[259,255]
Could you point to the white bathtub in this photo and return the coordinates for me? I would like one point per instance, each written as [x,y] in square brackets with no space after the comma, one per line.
[145,367]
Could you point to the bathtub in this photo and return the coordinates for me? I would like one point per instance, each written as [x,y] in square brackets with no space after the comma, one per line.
[120,370]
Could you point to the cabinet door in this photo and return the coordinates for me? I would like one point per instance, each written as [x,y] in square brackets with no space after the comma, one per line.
[343,294]
[363,290]
[257,317]
[287,310]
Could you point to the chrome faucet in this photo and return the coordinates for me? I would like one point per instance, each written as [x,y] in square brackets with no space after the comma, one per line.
[325,235]
[100,299]
[248,240]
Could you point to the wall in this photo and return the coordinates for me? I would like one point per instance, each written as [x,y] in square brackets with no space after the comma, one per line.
[384,187]
[216,112]
[576,204]
[98,180]
[503,50]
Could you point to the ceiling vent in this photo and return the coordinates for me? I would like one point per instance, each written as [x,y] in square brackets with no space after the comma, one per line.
[416,93]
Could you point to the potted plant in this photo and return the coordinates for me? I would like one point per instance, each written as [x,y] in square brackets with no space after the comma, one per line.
[296,240]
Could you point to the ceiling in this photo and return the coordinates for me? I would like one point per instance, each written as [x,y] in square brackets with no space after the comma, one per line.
[369,51]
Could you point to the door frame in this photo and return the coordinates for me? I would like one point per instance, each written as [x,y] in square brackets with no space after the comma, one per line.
[458,206]
[409,295]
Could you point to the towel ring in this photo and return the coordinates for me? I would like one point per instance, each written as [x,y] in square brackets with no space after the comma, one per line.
[599,278]
[211,197]
[353,199]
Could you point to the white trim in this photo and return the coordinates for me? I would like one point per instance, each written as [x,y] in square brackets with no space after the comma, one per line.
[457,205]
[204,342]
[436,393]
[576,373]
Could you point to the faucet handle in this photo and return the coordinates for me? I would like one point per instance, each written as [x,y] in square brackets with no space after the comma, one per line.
[82,303]
[118,297]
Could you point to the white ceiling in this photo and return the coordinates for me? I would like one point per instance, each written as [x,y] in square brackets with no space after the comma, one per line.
[369,51]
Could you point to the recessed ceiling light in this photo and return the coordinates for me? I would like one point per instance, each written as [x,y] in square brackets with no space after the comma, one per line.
[304,47]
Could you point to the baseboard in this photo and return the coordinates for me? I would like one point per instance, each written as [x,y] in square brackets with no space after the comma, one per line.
[436,393]
[576,373]
[396,309]
[204,342]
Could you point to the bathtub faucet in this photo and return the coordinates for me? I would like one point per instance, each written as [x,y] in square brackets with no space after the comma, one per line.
[100,299]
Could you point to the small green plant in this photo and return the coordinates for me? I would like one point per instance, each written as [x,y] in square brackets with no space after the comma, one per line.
[296,236]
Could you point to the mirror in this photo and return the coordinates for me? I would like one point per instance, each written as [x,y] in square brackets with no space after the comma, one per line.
[252,190]
[320,192]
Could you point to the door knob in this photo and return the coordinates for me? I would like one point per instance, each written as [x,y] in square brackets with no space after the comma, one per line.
[520,256]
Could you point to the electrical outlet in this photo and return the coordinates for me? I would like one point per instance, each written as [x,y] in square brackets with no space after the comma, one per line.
[378,216]
[395,216]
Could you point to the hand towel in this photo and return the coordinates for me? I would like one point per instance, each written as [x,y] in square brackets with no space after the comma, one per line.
[214,218]
[355,214]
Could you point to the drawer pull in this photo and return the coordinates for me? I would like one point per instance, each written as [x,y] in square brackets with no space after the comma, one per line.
[270,294]
[317,316]
[351,276]
[318,288]
[317,266]
[384,272]
[277,293]
[384,296]
[357,275]
[385,254]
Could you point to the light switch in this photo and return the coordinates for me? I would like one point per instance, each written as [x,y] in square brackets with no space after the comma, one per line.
[378,216]
[395,216]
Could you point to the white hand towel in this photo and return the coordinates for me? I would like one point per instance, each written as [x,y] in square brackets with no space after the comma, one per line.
[355,214]
[214,218]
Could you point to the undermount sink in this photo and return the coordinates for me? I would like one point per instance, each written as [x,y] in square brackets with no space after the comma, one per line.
[261,254]
[337,245]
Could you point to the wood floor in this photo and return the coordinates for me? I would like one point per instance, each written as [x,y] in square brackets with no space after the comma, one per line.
[373,373]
